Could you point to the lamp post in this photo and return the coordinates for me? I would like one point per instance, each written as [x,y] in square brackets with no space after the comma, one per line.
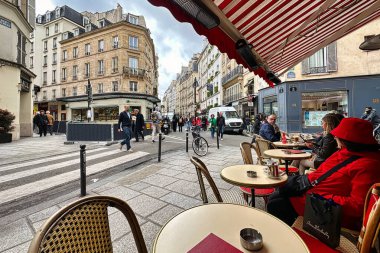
[195,84]
[89,100]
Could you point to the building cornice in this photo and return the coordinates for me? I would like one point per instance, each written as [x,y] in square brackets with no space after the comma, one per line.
[111,95]
[17,65]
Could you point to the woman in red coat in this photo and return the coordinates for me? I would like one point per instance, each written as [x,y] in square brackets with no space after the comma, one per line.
[347,186]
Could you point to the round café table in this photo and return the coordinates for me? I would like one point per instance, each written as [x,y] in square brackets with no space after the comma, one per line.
[280,154]
[279,144]
[187,229]
[237,175]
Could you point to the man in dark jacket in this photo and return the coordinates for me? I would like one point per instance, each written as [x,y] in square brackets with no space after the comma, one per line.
[125,124]
[221,121]
[269,130]
[174,123]
[139,127]
[42,122]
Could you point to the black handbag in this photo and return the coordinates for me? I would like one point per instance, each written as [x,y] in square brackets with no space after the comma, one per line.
[297,185]
[322,219]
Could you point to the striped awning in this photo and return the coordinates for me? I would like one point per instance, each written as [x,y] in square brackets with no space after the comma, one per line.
[280,33]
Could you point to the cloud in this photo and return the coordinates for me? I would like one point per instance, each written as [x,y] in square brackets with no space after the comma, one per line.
[175,42]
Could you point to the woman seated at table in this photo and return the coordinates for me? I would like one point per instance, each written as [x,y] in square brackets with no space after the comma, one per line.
[324,148]
[349,185]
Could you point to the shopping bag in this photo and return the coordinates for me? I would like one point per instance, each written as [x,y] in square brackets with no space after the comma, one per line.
[322,219]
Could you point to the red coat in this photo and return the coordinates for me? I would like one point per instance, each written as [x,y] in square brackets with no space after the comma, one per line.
[348,186]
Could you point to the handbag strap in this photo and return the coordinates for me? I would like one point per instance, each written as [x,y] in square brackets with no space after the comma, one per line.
[334,169]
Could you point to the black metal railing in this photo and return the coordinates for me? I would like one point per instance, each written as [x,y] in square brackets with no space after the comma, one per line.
[316,70]
[238,71]
[134,71]
[231,98]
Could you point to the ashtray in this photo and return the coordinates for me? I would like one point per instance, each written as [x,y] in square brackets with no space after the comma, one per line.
[251,173]
[251,239]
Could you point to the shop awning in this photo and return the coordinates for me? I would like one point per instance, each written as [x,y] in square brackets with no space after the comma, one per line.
[278,34]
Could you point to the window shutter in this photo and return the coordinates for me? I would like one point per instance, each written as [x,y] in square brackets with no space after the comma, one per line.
[332,63]
[305,67]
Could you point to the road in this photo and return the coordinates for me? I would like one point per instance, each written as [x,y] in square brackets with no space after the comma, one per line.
[29,182]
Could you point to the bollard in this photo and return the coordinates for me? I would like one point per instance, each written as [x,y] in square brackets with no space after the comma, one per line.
[217,140]
[83,170]
[187,142]
[159,146]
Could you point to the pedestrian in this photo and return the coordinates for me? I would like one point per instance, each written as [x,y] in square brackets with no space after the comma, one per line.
[139,126]
[221,122]
[180,123]
[125,124]
[133,121]
[204,123]
[174,123]
[42,122]
[257,124]
[269,130]
[212,125]
[35,122]
[50,123]
[156,118]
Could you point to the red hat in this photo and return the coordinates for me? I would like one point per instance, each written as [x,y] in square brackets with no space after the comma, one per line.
[355,130]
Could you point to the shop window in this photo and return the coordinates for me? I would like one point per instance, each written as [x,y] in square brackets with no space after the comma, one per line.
[106,113]
[79,114]
[270,105]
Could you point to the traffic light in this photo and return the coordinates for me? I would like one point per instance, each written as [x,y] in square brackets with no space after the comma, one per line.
[89,91]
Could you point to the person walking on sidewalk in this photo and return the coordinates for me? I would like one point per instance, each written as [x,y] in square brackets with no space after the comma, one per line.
[221,121]
[180,123]
[125,123]
[156,118]
[50,123]
[212,125]
[139,126]
[42,122]
[36,118]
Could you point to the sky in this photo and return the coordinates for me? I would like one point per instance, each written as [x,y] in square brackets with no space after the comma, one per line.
[175,42]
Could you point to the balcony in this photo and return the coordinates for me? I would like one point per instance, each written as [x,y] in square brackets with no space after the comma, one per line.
[318,70]
[63,79]
[44,98]
[75,77]
[232,98]
[44,83]
[134,72]
[87,75]
[54,63]
[101,72]
[115,70]
[236,72]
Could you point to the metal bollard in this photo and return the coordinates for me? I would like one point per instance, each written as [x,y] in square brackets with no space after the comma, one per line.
[187,142]
[159,146]
[217,139]
[83,170]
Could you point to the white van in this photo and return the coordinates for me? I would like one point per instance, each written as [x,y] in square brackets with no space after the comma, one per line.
[233,122]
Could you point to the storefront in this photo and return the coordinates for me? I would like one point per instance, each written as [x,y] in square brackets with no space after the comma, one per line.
[300,105]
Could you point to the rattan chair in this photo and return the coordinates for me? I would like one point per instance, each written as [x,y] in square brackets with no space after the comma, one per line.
[246,153]
[217,196]
[83,226]
[368,234]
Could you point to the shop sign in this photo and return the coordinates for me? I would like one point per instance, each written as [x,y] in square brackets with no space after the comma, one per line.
[376,100]
[5,22]
[250,104]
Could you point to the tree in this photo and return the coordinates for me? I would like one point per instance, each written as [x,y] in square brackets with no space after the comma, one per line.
[6,120]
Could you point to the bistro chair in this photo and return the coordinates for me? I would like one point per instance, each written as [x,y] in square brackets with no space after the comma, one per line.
[246,153]
[83,226]
[367,236]
[224,196]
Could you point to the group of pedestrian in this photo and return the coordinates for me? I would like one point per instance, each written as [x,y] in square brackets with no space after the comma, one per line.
[43,122]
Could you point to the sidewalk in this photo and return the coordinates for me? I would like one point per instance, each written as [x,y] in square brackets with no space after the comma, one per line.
[155,191]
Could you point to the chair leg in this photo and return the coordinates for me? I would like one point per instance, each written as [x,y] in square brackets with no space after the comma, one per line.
[245,196]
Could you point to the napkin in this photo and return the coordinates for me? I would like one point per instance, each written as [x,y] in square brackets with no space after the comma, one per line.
[213,244]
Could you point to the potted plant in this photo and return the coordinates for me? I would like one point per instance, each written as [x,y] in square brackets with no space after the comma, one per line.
[6,120]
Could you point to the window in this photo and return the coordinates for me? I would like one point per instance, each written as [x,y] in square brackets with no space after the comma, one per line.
[63,92]
[87,69]
[44,95]
[323,61]
[133,19]
[75,91]
[64,74]
[56,28]
[54,58]
[100,67]
[133,42]
[47,31]
[115,41]
[45,45]
[57,12]
[53,73]
[31,61]
[54,42]
[75,72]
[64,55]
[87,49]
[101,23]
[115,86]
[100,88]
[39,19]
[132,86]
[100,45]
[115,62]
[47,17]
[53,94]
[85,21]
[76,32]
[44,78]
[31,47]
[75,52]
[45,60]
[65,36]
[88,27]
[133,65]
[31,35]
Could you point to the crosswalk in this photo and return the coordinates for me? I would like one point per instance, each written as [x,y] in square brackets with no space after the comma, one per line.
[30,178]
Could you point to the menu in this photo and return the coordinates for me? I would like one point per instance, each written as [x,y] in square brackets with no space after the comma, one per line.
[314,118]
[214,244]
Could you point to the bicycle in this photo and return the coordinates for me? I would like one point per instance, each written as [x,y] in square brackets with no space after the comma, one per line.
[199,144]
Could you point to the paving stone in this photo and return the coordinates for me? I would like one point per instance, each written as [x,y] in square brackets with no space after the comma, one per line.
[168,172]
[165,214]
[121,192]
[105,187]
[44,214]
[139,186]
[221,184]
[119,225]
[19,249]
[155,191]
[14,234]
[188,176]
[186,188]
[125,244]
[37,225]
[150,231]
[180,200]
[145,205]
[68,201]
[159,180]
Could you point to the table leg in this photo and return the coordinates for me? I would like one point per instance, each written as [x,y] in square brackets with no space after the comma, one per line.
[253,204]
[287,167]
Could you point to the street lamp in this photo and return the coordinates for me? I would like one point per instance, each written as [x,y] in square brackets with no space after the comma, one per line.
[195,84]
[89,100]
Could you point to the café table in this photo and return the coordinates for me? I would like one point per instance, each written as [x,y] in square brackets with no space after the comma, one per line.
[279,144]
[187,229]
[237,175]
[280,154]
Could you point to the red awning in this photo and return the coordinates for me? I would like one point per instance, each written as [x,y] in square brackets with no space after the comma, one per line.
[282,32]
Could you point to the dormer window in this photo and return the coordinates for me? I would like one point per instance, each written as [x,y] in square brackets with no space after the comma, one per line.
[88,27]
[39,19]
[57,12]
[85,21]
[76,32]
[101,23]
[133,19]
[47,16]
[65,36]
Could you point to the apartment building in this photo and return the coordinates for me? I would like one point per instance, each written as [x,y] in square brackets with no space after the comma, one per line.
[119,61]
[16,24]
